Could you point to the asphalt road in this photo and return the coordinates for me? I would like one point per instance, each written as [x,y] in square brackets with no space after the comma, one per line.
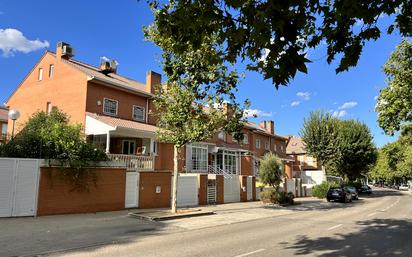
[380,225]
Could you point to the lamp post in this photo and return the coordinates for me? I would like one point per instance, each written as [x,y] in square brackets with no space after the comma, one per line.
[13,115]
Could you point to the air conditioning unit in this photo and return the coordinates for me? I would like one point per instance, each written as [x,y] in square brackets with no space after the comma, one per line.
[67,51]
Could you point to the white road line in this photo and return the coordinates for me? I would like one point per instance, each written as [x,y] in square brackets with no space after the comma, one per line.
[371,214]
[250,253]
[340,225]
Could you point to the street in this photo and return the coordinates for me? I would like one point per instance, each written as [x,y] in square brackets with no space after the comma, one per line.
[379,225]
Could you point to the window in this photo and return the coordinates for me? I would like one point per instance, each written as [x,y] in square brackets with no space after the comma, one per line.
[199,157]
[40,75]
[51,70]
[129,147]
[258,143]
[245,139]
[110,107]
[138,113]
[267,147]
[221,135]
[281,148]
[3,130]
[49,107]
[154,147]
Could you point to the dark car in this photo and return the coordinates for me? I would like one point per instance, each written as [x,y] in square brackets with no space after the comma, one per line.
[353,192]
[340,194]
[365,189]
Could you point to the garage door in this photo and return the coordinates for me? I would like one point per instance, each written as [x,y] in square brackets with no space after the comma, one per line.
[231,190]
[132,190]
[249,188]
[187,191]
[18,187]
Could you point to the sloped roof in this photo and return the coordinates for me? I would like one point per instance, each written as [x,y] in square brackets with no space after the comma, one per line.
[295,146]
[259,129]
[4,113]
[117,122]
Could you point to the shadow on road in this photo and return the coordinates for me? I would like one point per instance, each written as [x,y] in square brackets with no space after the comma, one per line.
[377,237]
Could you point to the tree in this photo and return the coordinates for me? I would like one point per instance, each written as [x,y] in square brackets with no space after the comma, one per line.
[274,36]
[271,170]
[394,105]
[344,147]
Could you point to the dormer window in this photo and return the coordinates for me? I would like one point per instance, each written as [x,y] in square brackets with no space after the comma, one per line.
[138,113]
[110,107]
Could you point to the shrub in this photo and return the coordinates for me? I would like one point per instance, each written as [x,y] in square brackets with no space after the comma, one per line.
[271,170]
[272,196]
[321,190]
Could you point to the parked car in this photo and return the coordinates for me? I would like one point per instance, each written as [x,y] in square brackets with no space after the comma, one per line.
[340,194]
[365,189]
[353,191]
[404,187]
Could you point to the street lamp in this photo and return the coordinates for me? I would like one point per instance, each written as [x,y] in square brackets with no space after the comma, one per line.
[13,115]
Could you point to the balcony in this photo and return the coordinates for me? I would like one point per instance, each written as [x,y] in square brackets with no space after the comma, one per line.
[134,162]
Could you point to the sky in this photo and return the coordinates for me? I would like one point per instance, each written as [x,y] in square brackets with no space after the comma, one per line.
[115,29]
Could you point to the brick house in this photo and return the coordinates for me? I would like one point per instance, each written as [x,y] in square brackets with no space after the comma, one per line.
[301,160]
[3,123]
[116,113]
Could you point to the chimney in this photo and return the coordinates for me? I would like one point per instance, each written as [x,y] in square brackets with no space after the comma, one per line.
[153,80]
[64,51]
[263,125]
[270,127]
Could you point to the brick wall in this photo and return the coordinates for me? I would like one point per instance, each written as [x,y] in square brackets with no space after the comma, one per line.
[220,189]
[202,189]
[148,198]
[56,194]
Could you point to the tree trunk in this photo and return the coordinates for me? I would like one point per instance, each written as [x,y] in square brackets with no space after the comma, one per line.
[176,153]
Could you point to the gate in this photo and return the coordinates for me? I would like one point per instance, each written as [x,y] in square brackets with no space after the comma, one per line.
[187,190]
[19,182]
[231,189]
[211,191]
[132,189]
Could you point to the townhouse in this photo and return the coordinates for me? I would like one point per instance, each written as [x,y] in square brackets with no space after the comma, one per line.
[117,115]
[3,123]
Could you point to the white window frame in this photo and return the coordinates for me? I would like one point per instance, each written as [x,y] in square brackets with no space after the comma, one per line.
[40,74]
[257,143]
[51,70]
[245,139]
[134,112]
[199,157]
[104,104]
[49,107]
[267,146]
[128,144]
[221,135]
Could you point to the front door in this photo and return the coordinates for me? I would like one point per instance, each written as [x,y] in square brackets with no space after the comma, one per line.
[129,147]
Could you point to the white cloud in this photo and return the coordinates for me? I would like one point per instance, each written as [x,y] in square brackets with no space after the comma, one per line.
[254,113]
[347,105]
[376,97]
[295,103]
[304,95]
[12,41]
[339,114]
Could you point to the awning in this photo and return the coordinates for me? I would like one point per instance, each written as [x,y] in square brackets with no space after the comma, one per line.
[101,125]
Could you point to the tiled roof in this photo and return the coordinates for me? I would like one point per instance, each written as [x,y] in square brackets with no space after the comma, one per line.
[259,129]
[116,122]
[111,78]
[295,146]
[4,114]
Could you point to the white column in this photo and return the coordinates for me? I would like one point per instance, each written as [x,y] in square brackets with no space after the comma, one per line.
[108,142]
[223,161]
[151,147]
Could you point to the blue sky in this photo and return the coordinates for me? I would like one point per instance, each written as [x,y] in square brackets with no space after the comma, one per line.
[101,28]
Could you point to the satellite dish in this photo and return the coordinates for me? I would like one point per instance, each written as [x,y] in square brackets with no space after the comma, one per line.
[14,114]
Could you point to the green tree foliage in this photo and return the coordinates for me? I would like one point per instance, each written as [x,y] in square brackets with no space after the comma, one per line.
[271,170]
[273,37]
[394,104]
[50,136]
[344,147]
[320,191]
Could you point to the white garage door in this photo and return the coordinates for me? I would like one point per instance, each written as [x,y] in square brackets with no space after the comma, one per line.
[249,188]
[132,190]
[232,190]
[18,187]
[187,191]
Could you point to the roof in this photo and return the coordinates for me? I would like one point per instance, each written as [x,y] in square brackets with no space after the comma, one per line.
[259,129]
[111,78]
[4,113]
[116,122]
[295,146]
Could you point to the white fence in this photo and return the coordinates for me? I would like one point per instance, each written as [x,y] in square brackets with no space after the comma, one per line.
[187,190]
[132,190]
[19,182]
[231,190]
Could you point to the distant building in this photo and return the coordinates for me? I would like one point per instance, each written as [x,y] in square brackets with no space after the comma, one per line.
[4,111]
[302,161]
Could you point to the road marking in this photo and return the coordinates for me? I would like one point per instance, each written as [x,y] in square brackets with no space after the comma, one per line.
[250,253]
[371,214]
[340,225]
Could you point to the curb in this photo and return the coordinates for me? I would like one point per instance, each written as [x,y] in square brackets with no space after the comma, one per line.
[170,217]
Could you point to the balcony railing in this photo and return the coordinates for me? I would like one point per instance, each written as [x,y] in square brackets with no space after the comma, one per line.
[134,162]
